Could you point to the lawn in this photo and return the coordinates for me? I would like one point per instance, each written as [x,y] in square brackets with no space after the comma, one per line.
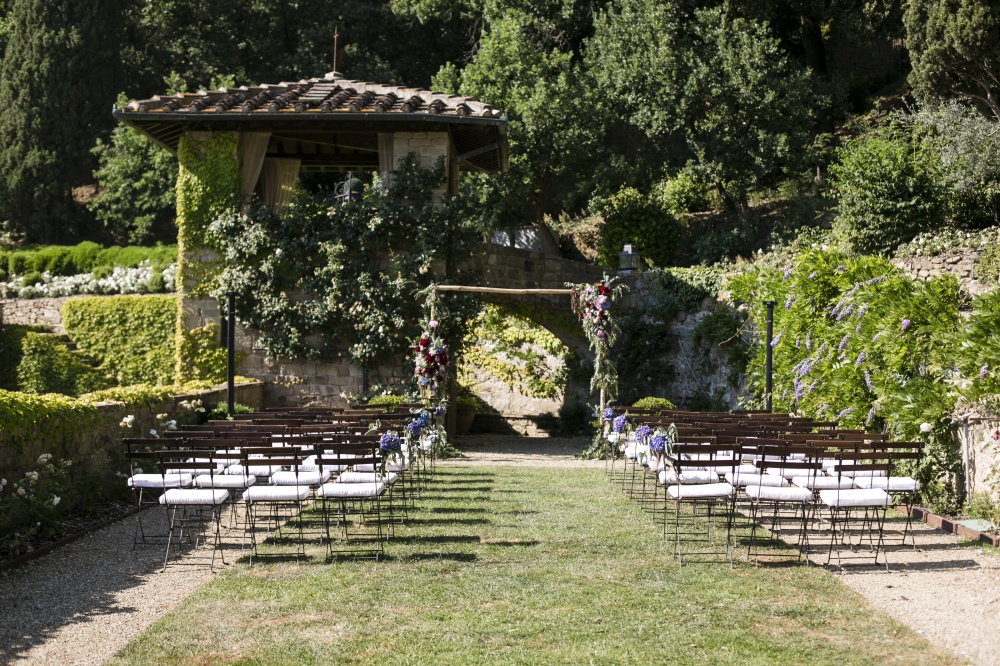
[517,565]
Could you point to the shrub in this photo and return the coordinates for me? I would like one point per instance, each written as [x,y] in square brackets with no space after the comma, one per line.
[47,366]
[131,336]
[204,359]
[11,337]
[889,190]
[651,402]
[389,401]
[683,194]
[631,217]
[220,411]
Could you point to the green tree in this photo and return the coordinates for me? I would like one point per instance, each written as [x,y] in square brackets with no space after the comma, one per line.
[136,177]
[955,50]
[889,189]
[56,90]
[712,90]
[526,65]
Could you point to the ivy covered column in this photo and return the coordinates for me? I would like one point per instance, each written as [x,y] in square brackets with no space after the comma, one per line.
[208,184]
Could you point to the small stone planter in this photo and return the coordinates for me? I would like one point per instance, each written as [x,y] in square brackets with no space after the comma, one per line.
[955,527]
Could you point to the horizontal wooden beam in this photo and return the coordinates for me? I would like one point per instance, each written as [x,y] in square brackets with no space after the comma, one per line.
[498,290]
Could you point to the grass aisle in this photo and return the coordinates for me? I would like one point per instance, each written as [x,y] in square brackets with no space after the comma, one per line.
[518,565]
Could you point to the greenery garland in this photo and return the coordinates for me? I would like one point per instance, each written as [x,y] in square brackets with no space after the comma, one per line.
[592,304]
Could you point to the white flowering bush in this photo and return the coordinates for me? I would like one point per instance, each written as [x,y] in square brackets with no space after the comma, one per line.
[139,280]
[28,508]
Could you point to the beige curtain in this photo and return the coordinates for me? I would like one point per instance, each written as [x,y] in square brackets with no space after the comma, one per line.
[253,147]
[386,161]
[279,180]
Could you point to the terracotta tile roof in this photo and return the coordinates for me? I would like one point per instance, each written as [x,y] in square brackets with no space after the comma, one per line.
[332,94]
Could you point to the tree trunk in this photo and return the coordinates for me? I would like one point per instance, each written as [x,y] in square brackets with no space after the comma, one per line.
[812,42]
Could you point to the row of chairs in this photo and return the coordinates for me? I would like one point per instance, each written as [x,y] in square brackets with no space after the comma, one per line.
[268,467]
[738,464]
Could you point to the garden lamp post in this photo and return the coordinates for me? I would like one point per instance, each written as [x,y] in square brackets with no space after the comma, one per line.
[628,260]
[767,354]
[231,353]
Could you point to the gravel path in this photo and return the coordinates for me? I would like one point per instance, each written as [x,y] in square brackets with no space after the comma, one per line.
[82,603]
[85,601]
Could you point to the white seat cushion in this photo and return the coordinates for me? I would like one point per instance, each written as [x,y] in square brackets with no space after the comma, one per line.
[186,496]
[276,493]
[300,479]
[821,482]
[740,480]
[224,481]
[392,467]
[855,497]
[701,491]
[367,477]
[351,490]
[783,494]
[894,484]
[668,477]
[160,480]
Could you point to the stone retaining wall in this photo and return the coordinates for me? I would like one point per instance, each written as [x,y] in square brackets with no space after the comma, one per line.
[959,264]
[34,311]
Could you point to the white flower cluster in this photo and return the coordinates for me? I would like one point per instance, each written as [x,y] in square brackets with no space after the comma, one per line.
[121,281]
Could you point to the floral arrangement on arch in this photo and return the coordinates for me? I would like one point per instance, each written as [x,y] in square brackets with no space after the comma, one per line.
[430,363]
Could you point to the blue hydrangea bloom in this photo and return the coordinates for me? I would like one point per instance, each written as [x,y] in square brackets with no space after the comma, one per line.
[658,443]
[389,443]
[642,432]
[608,413]
[618,424]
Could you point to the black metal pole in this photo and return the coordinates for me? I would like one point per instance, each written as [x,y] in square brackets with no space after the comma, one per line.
[231,353]
[767,354]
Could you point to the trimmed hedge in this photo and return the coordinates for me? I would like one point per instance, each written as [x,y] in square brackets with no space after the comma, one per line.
[131,336]
[56,418]
[87,257]
[47,366]
[651,402]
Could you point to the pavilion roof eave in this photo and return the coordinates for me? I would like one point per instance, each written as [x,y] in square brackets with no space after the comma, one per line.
[166,128]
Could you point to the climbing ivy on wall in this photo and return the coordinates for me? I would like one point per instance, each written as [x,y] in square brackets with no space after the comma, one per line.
[131,336]
[516,351]
[208,185]
[322,278]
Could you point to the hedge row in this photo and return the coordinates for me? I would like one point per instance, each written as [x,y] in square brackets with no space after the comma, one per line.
[87,257]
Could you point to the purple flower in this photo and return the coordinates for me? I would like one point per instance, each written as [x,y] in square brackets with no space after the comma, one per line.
[432,323]
[812,275]
[876,280]
[844,412]
[861,357]
[657,444]
[808,343]
[857,329]
[840,269]
[783,394]
[414,427]
[642,432]
[788,301]
[811,386]
[843,343]
[774,342]
[871,415]
[600,335]
[439,411]
[608,414]
[787,275]
[618,424]
[862,310]
[389,443]
[868,380]
[877,336]
[905,324]
[983,370]
[797,340]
